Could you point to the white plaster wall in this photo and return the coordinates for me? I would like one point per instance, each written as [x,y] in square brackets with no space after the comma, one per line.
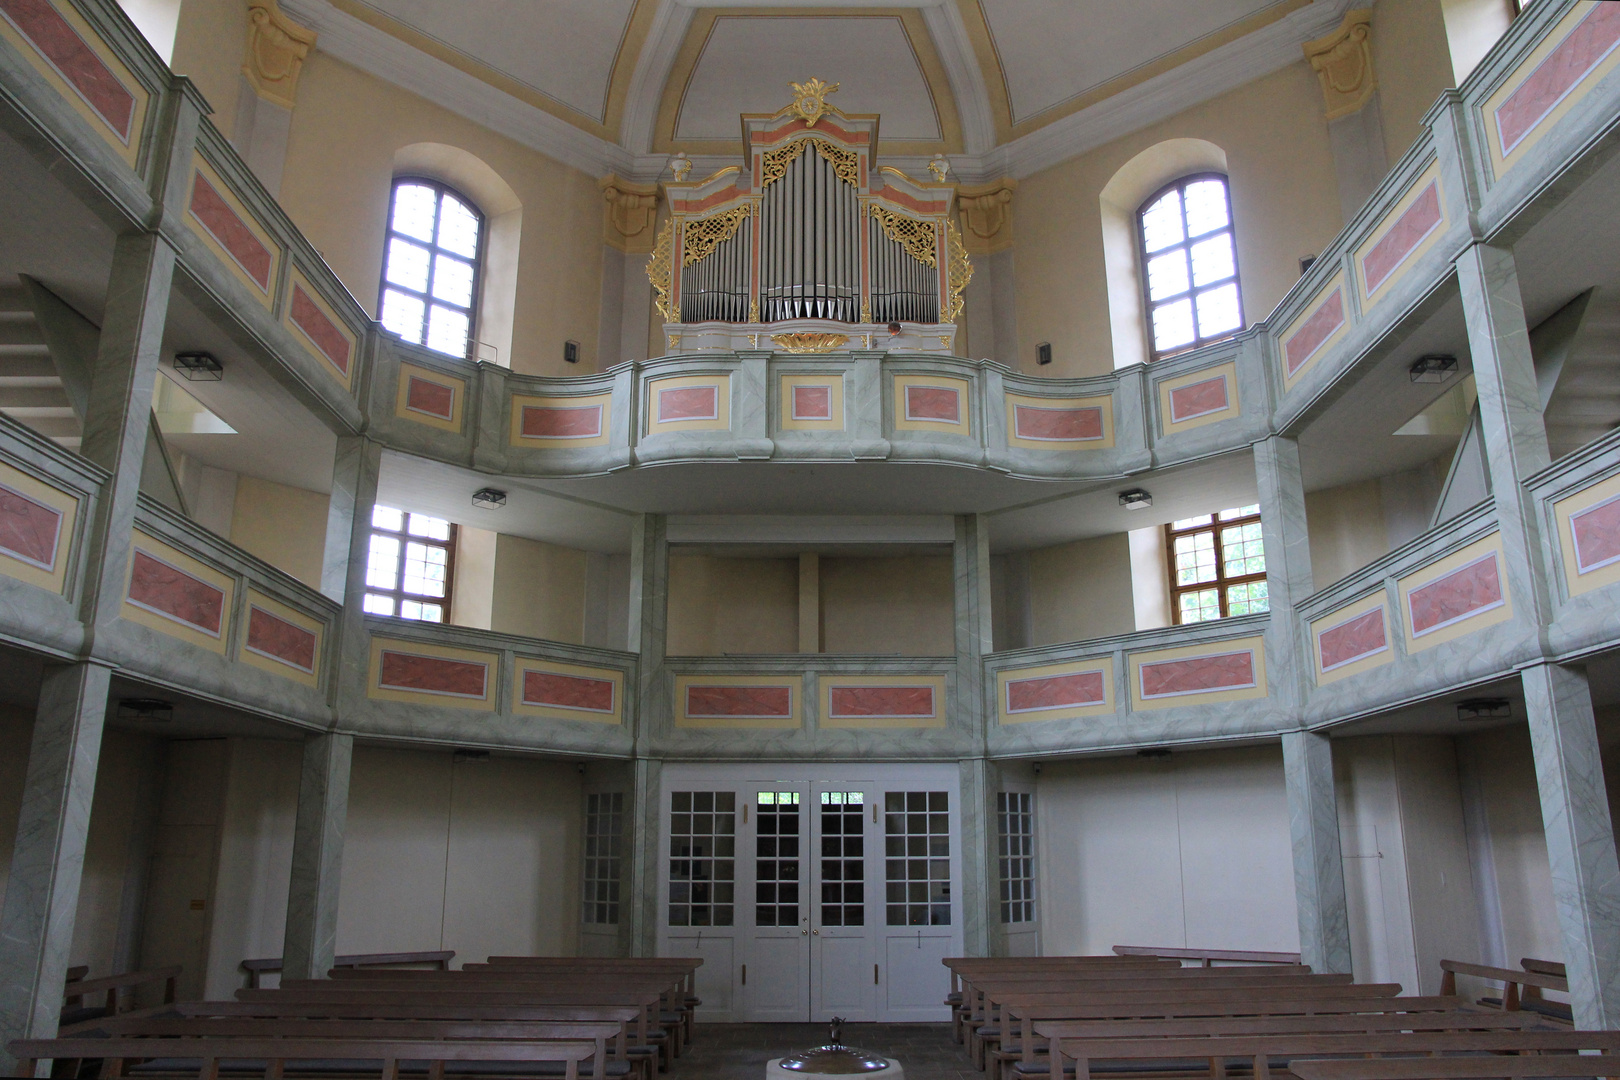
[1191,850]
[125,763]
[1373,843]
[1518,842]
[1440,879]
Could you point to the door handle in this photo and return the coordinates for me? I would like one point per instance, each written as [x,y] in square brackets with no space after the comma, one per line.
[816,932]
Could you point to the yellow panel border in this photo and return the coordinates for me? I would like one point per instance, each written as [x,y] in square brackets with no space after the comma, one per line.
[827,680]
[1461,627]
[963,425]
[1102,664]
[526,664]
[604,401]
[458,397]
[1234,404]
[185,563]
[273,665]
[29,487]
[1105,404]
[1254,645]
[376,691]
[1375,602]
[794,683]
[721,421]
[835,384]
[1576,583]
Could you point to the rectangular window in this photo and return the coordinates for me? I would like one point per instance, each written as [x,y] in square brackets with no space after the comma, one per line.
[409,566]
[917,858]
[776,859]
[1016,821]
[1217,565]
[604,823]
[702,858]
[843,858]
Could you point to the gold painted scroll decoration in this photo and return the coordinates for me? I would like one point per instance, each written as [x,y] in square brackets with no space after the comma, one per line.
[958,272]
[809,342]
[658,269]
[846,163]
[916,236]
[706,234]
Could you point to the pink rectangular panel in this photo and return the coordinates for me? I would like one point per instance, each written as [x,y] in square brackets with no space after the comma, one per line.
[171,592]
[1592,40]
[432,675]
[1409,230]
[1352,640]
[215,214]
[1596,531]
[431,398]
[1198,675]
[1327,318]
[812,403]
[308,317]
[739,702]
[876,702]
[1056,692]
[275,637]
[562,422]
[940,404]
[1198,399]
[567,691]
[689,403]
[74,60]
[29,530]
[1466,591]
[1057,425]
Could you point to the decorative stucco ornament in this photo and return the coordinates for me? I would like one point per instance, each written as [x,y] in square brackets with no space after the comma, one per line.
[810,100]
[1344,65]
[276,48]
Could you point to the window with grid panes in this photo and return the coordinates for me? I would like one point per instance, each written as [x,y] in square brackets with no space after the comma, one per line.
[604,820]
[702,858]
[1016,819]
[917,858]
[843,861]
[776,858]
[1189,264]
[1217,565]
[409,564]
[430,266]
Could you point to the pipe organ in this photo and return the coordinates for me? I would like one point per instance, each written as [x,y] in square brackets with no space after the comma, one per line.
[809,240]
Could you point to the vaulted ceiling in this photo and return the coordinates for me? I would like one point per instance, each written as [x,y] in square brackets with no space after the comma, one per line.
[1002,86]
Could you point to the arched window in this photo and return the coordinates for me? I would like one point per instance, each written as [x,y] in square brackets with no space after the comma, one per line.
[1189,264]
[430,266]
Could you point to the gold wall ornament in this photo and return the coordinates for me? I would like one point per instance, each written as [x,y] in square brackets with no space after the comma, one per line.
[630,214]
[810,100]
[276,49]
[959,271]
[986,212]
[674,342]
[658,270]
[1344,64]
[680,165]
[866,312]
[753,311]
[809,342]
[918,237]
[701,237]
[774,163]
[940,168]
[753,341]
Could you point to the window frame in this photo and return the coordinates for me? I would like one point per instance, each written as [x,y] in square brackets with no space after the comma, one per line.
[433,247]
[1221,581]
[1142,256]
[398,593]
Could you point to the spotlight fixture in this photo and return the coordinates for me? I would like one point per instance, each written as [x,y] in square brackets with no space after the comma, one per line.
[489,498]
[199,366]
[148,710]
[1135,499]
[1486,708]
[1433,368]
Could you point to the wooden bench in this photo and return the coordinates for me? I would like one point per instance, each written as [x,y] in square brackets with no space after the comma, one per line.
[118,990]
[256,969]
[1454,1068]
[1520,989]
[1208,957]
[966,967]
[686,965]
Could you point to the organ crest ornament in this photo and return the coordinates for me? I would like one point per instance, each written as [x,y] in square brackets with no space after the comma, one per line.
[810,100]
[917,237]
[704,235]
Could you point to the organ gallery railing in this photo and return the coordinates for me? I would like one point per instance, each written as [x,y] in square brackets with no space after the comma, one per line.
[809,231]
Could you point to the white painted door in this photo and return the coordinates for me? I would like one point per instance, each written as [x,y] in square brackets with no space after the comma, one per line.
[844,911]
[778,948]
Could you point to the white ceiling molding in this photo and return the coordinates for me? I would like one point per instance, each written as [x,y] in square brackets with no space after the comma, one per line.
[945,26]
[767,529]
[670,24]
[381,54]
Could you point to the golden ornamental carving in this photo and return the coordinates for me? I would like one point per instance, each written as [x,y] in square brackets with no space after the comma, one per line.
[918,237]
[809,342]
[810,100]
[959,271]
[674,342]
[1344,65]
[276,49]
[940,168]
[774,163]
[658,270]
[753,310]
[986,213]
[701,237]
[630,214]
[680,165]
[866,312]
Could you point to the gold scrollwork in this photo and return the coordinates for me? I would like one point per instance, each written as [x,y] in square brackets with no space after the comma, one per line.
[959,271]
[809,342]
[810,100]
[916,236]
[846,163]
[658,269]
[703,236]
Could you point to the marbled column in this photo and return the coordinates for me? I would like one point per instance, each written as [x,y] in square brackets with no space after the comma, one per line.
[119,411]
[978,780]
[1288,565]
[974,632]
[356,466]
[1313,824]
[42,891]
[317,862]
[1580,838]
[648,633]
[1510,412]
[642,889]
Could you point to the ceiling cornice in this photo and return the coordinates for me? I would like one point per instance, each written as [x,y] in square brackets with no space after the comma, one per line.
[670,27]
[955,51]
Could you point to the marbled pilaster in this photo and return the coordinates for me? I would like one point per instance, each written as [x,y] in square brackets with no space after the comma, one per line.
[1313,823]
[355,469]
[978,855]
[42,891]
[642,888]
[1580,838]
[1288,565]
[649,622]
[317,862]
[974,627]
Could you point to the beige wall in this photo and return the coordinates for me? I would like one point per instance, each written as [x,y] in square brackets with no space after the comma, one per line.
[725,605]
[1081,590]
[210,43]
[539,590]
[284,526]
[1285,205]
[900,605]
[1413,61]
[1346,529]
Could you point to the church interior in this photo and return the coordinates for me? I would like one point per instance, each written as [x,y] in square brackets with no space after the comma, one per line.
[539,538]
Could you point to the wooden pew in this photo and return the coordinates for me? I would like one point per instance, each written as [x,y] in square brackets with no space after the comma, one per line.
[965,967]
[1209,956]
[610,965]
[1454,1068]
[1513,997]
[256,969]
[118,990]
[203,1058]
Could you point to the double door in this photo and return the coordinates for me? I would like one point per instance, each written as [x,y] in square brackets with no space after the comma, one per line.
[813,898]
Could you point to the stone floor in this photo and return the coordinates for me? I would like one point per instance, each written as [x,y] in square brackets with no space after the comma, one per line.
[740,1051]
